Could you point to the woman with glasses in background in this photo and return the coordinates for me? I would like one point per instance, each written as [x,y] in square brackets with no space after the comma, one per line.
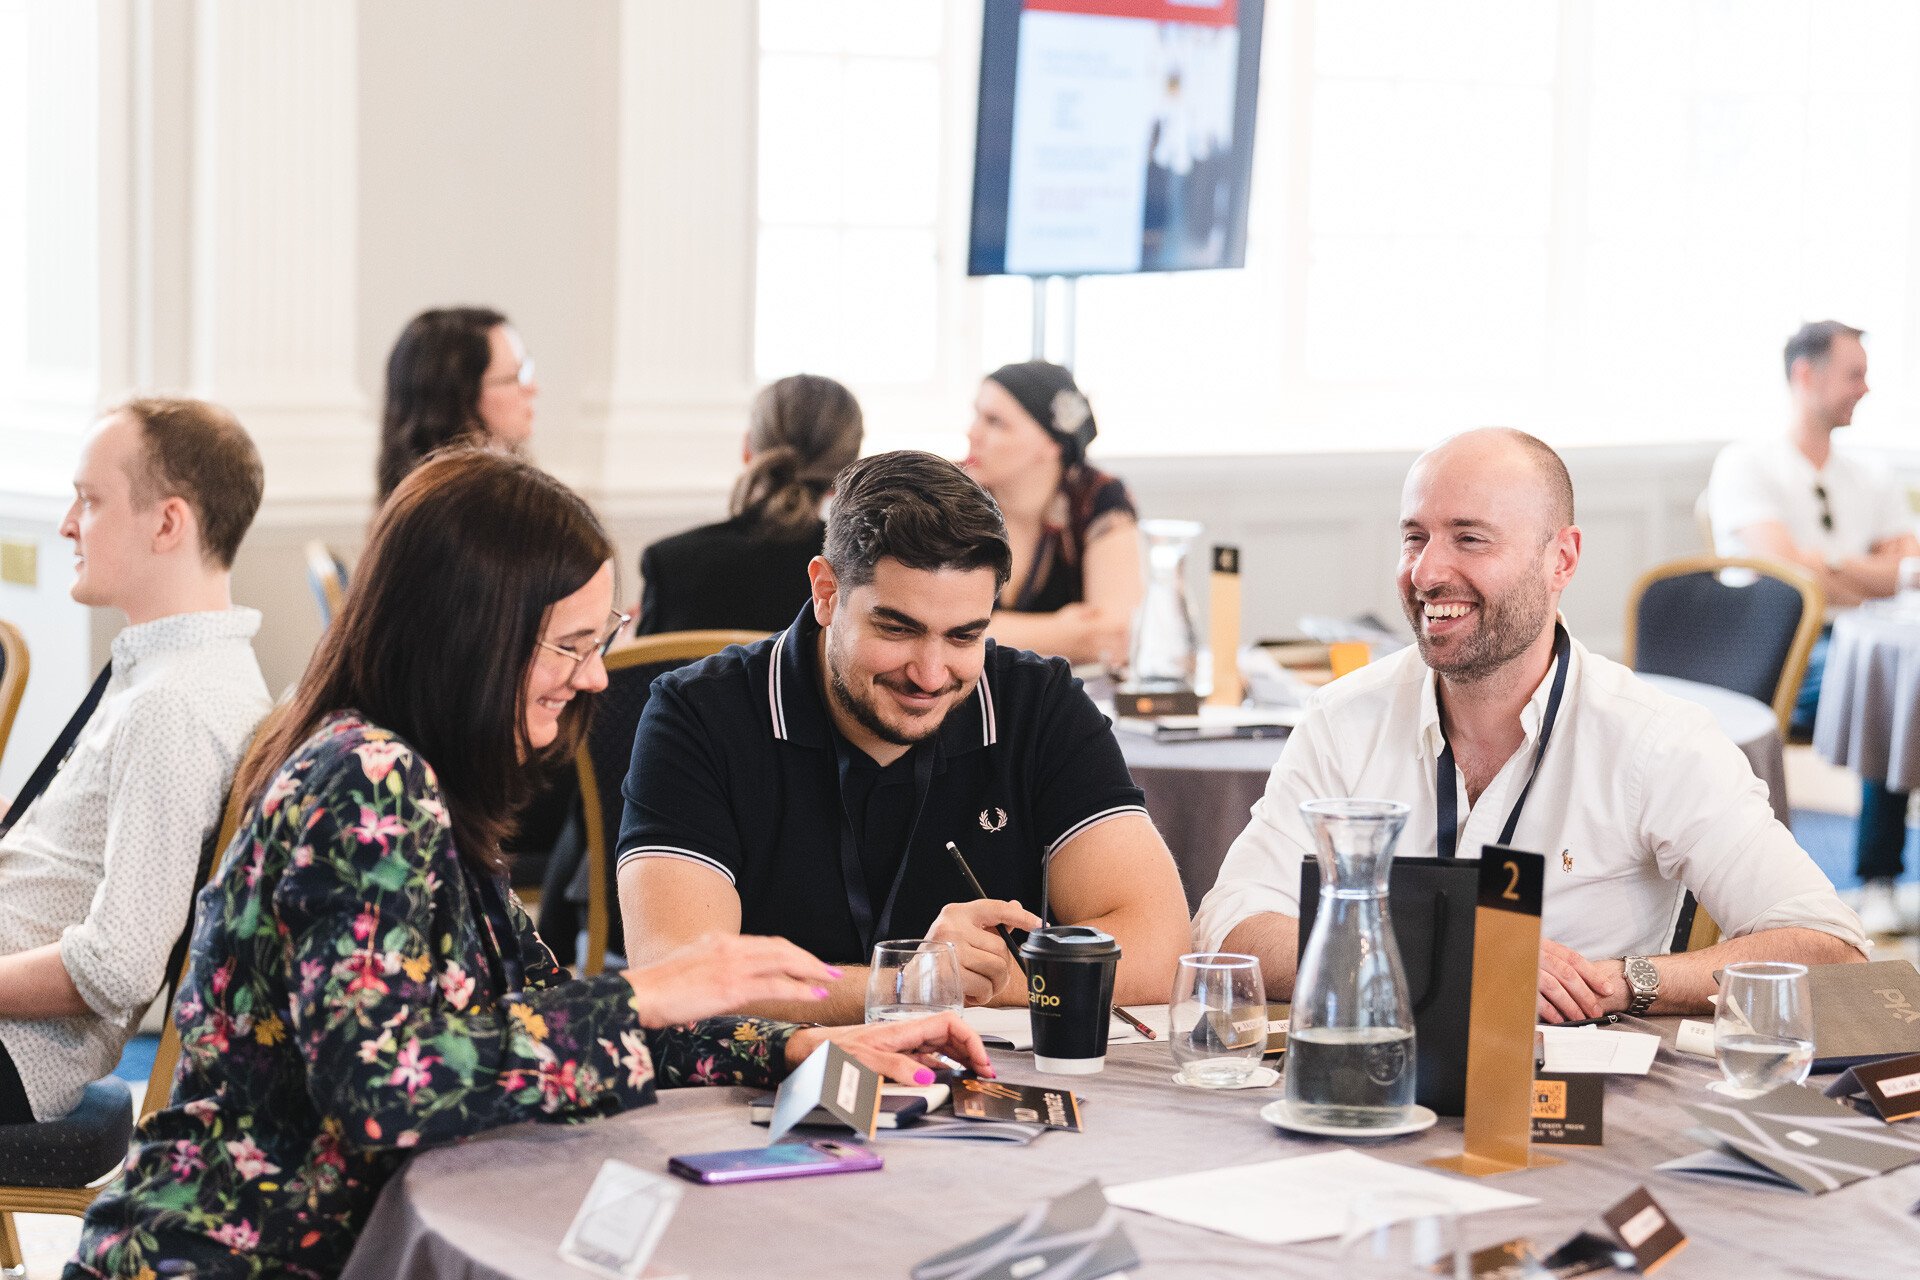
[362,981]
[456,375]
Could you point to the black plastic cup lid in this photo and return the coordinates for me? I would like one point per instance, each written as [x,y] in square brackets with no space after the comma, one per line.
[1069,942]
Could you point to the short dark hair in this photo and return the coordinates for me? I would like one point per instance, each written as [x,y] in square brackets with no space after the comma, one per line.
[199,452]
[919,509]
[438,629]
[1813,341]
[433,388]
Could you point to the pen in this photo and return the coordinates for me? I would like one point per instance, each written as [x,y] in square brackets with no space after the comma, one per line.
[1134,1022]
[979,892]
[1604,1020]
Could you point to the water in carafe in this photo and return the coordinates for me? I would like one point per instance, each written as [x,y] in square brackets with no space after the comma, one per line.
[1350,1046]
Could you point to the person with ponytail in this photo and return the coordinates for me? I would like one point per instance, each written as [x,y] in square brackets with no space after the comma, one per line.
[749,572]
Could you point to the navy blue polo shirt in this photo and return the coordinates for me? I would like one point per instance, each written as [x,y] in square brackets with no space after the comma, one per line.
[737,766]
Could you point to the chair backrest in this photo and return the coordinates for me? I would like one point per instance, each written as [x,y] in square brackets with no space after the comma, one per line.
[327,576]
[13,678]
[606,754]
[167,1055]
[1741,624]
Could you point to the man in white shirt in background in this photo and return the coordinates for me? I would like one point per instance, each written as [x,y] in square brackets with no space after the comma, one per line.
[96,872]
[1844,520]
[1638,797]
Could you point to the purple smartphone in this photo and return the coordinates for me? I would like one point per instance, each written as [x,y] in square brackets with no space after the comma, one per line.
[782,1160]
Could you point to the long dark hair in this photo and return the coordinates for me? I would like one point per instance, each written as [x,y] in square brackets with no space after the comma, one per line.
[433,388]
[802,431]
[438,629]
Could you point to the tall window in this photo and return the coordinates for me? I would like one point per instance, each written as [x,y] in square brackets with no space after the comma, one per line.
[1598,221]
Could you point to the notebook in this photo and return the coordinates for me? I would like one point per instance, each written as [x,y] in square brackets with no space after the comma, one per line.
[1863,1011]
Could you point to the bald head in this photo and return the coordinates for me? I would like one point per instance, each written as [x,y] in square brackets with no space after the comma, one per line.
[1504,458]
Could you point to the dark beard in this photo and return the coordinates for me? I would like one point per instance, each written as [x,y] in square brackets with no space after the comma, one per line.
[864,714]
[1504,631]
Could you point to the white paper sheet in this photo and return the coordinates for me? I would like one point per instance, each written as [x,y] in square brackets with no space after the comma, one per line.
[1304,1198]
[1013,1029]
[1590,1050]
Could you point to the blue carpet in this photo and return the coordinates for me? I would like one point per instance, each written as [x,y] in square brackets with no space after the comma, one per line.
[1829,838]
[136,1064]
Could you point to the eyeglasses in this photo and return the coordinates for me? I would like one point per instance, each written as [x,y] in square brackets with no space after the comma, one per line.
[523,376]
[618,622]
[1826,508]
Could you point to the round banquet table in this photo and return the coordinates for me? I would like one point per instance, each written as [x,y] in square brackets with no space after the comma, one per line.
[1199,793]
[496,1208]
[1869,718]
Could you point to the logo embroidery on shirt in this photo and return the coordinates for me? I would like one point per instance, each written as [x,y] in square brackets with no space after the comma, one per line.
[992,819]
[1566,859]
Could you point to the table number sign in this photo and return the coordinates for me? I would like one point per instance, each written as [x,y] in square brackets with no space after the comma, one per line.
[620,1222]
[1223,627]
[1568,1109]
[1506,947]
[832,1081]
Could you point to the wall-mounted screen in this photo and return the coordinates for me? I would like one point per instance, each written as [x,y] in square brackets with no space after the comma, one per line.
[1114,136]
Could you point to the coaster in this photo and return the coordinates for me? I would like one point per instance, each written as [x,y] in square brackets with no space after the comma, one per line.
[1262,1078]
[1727,1089]
[1280,1116]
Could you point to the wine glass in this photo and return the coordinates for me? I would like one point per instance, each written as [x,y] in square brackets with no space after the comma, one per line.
[1218,1019]
[1763,1031]
[912,978]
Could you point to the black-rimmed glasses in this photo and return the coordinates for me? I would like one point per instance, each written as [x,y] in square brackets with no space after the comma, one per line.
[618,621]
[1826,508]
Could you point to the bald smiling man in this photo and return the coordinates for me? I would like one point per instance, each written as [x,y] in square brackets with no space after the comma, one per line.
[1638,797]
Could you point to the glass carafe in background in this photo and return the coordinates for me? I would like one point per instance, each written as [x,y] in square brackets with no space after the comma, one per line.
[1350,1061]
[1166,649]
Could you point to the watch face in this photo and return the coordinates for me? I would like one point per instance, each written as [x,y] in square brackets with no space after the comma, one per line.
[1642,975]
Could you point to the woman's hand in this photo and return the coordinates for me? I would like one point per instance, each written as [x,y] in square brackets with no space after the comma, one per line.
[894,1048]
[721,973]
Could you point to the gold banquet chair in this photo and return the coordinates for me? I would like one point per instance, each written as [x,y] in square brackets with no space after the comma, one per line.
[607,751]
[60,1166]
[13,678]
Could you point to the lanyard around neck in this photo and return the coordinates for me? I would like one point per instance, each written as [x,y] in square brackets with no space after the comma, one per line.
[853,869]
[1447,832]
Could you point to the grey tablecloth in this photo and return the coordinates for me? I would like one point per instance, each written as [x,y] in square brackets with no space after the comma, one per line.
[498,1207]
[1199,793]
[1869,719]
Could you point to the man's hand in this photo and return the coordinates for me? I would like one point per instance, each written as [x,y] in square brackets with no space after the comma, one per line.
[986,966]
[721,973]
[898,1050]
[1574,988]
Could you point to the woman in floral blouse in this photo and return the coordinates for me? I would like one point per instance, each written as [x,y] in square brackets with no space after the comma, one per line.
[362,981]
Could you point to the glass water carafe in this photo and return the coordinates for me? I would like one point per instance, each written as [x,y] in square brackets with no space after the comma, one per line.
[1350,1060]
[1165,652]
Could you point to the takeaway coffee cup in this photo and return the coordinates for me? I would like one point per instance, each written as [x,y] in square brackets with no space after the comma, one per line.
[1070,971]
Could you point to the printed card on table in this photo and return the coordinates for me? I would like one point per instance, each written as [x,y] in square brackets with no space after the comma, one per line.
[1076,1237]
[975,1099]
[830,1081]
[1794,1137]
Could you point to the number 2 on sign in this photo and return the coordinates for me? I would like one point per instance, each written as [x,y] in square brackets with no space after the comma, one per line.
[1513,881]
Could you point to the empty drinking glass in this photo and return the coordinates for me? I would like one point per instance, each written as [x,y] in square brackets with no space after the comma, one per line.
[1763,1031]
[1218,1019]
[1401,1234]
[913,977]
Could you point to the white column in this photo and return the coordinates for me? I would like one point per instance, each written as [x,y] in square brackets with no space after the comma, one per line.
[683,306]
[274,216]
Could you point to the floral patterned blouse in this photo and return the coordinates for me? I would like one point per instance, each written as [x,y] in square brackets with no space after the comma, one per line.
[348,1000]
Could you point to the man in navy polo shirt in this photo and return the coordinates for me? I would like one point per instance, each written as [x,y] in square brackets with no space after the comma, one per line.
[806,786]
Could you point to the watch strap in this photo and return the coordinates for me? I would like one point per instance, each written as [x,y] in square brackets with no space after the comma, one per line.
[1640,999]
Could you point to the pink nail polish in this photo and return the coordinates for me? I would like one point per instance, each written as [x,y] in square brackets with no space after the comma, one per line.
[923,1076]
[820,993]
[835,973]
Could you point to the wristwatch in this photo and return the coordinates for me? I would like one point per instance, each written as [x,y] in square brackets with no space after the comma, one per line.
[1644,980]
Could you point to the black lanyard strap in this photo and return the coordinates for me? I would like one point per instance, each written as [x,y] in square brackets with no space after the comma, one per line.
[1447,823]
[853,870]
[56,757]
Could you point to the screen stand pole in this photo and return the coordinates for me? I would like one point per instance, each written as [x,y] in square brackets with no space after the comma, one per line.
[1039,316]
[1068,314]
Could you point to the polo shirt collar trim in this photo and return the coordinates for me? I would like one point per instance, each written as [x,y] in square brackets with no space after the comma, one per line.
[1433,741]
[796,713]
